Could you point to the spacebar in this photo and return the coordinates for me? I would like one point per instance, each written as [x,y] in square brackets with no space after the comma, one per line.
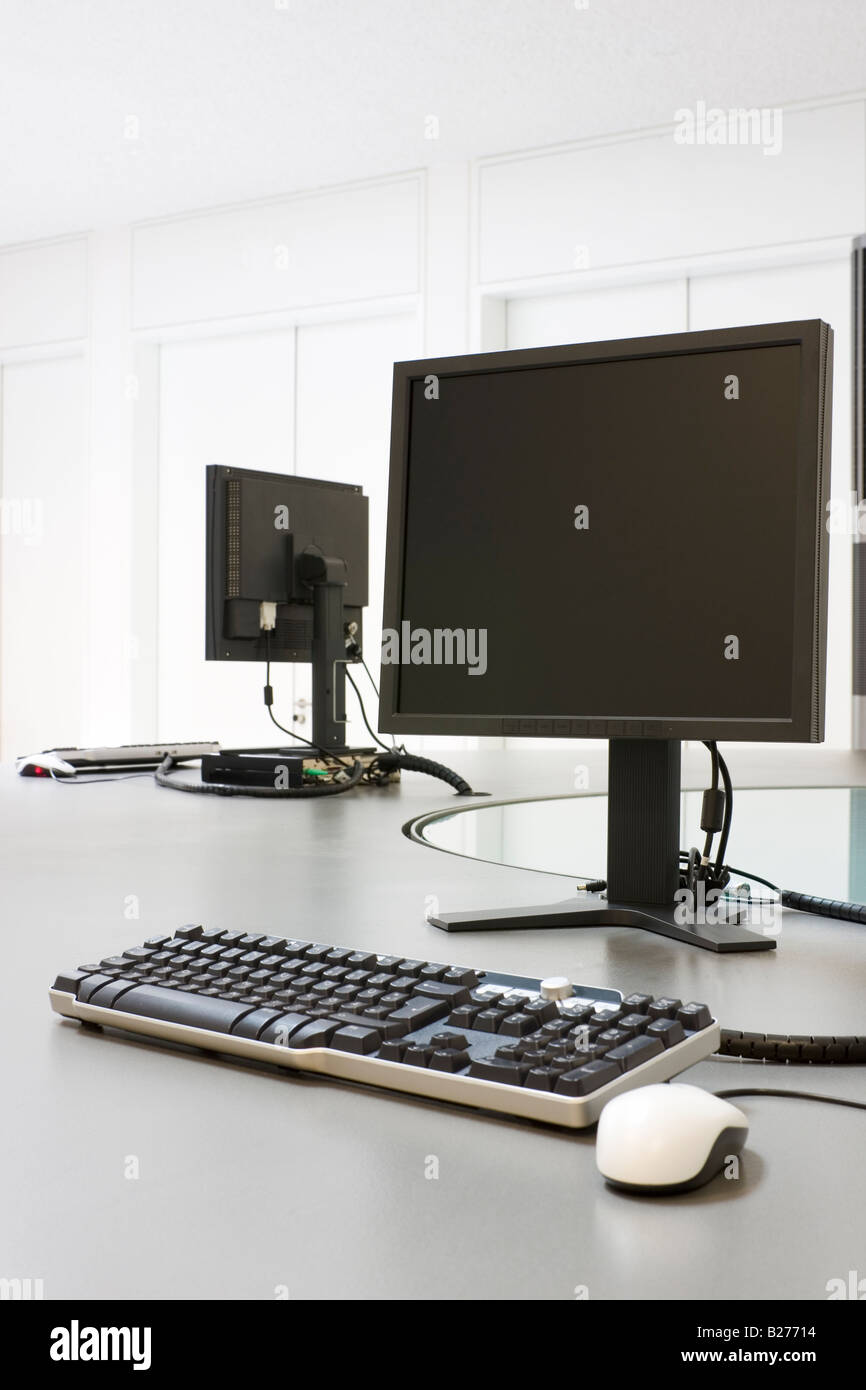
[176,1006]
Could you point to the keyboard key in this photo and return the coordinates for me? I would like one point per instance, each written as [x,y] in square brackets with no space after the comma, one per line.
[91,985]
[252,1025]
[452,1040]
[560,1026]
[432,971]
[418,1055]
[316,1032]
[282,1028]
[694,1016]
[577,1012]
[586,1079]
[464,1016]
[633,1053]
[388,964]
[446,1059]
[437,989]
[404,983]
[361,960]
[417,1013]
[110,996]
[392,1050]
[190,933]
[354,1038]
[637,1003]
[612,1037]
[664,1008]
[518,1025]
[488,1020]
[669,1031]
[605,1018]
[458,976]
[495,1069]
[542,1010]
[176,1006]
[635,1023]
[70,981]
[411,967]
[542,1079]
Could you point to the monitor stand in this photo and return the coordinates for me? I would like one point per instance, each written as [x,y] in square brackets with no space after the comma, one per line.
[643,868]
[326,576]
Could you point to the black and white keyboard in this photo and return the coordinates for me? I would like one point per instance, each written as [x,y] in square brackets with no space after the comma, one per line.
[545,1050]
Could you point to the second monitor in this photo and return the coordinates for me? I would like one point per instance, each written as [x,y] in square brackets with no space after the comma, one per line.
[620,540]
[287,580]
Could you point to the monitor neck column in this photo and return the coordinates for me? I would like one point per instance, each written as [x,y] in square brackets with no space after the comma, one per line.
[326,576]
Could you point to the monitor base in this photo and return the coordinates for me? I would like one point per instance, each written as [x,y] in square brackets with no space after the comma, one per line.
[591,910]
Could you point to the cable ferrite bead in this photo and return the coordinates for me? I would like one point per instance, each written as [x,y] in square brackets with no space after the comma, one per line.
[713,809]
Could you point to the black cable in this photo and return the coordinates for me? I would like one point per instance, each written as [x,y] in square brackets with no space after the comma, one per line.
[370,678]
[714,754]
[375,692]
[755,878]
[729,812]
[790,1095]
[373,735]
[269,700]
[792,1047]
[411,762]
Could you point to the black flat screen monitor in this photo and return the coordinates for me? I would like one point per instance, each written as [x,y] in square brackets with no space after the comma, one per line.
[612,540]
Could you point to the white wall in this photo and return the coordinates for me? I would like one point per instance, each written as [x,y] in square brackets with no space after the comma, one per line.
[44,537]
[264,335]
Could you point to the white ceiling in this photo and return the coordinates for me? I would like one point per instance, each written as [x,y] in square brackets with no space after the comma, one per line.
[241,99]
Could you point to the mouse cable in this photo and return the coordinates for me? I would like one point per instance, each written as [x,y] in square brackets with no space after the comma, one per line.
[790,1095]
[87,781]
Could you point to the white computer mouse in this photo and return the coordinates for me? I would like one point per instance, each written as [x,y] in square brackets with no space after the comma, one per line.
[667,1138]
[45,765]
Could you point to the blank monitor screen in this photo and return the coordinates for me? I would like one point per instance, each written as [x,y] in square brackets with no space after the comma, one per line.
[628,535]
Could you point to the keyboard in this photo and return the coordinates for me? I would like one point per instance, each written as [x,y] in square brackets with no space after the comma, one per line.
[536,1049]
[133,754]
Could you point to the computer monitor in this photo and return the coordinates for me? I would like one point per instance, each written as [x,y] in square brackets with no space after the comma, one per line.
[287,573]
[620,540]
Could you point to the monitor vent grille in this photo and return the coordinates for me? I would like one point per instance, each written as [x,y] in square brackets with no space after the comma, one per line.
[233,538]
[292,634]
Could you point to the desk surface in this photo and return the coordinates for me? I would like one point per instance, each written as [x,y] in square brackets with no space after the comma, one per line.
[250,1180]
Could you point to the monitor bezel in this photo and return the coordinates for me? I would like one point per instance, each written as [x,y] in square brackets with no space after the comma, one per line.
[806,725]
